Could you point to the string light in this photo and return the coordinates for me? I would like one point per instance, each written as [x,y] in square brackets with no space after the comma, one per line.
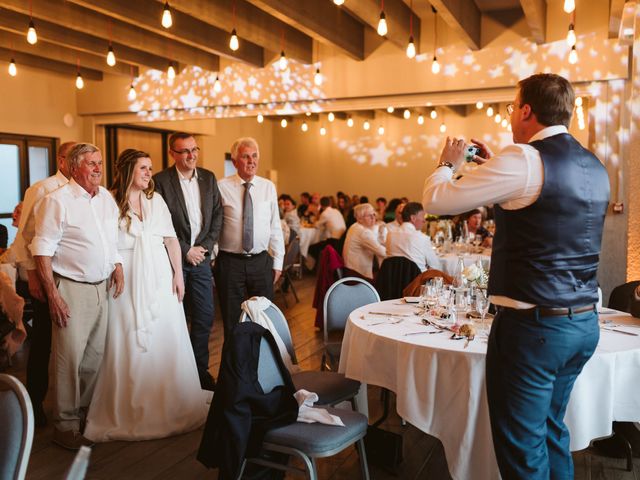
[380,130]
[489,111]
[497,118]
[171,72]
[111,57]
[504,123]
[132,91]
[283,62]
[317,77]
[569,6]
[571,36]
[573,56]
[331,117]
[366,125]
[323,131]
[443,127]
[406,114]
[578,101]
[284,123]
[433,114]
[217,86]
[167,20]
[32,36]
[382,23]
[260,118]
[79,81]
[338,2]
[349,122]
[390,109]
[509,128]
[411,47]
[234,44]
[304,127]
[13,70]
[435,66]
[420,119]
[479,105]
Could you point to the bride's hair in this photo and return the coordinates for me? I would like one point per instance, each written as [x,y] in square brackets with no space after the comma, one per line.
[123,178]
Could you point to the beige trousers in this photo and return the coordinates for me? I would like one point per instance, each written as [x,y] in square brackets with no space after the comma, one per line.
[77,349]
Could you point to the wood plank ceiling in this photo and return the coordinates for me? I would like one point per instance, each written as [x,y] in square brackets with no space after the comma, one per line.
[79,32]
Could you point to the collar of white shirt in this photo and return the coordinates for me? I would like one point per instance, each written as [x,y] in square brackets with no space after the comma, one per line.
[61,178]
[185,179]
[79,191]
[240,181]
[548,132]
[408,226]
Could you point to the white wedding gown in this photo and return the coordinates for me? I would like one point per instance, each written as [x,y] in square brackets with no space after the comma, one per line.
[148,385]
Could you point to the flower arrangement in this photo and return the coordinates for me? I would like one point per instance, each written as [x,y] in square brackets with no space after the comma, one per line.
[476,274]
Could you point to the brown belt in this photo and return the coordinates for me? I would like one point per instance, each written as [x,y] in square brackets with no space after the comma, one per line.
[557,312]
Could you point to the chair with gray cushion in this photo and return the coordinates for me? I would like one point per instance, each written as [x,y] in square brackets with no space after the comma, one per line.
[341,299]
[307,441]
[16,428]
[332,387]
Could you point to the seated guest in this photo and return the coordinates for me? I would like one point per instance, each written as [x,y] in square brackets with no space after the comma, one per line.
[409,241]
[474,225]
[344,205]
[313,209]
[361,244]
[330,223]
[397,222]
[304,203]
[381,207]
[390,213]
[290,215]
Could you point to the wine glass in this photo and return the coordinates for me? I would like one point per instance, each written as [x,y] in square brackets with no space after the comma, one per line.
[482,306]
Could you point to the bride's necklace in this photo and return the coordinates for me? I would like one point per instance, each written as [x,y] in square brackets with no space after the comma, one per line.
[133,210]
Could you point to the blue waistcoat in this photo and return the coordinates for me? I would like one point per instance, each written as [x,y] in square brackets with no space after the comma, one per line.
[547,253]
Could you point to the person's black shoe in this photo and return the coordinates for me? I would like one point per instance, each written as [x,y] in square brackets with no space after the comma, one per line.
[39,416]
[208,383]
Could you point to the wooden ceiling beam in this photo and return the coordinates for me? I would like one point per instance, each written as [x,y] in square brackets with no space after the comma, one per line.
[251,23]
[15,21]
[535,13]
[42,63]
[52,51]
[187,29]
[615,17]
[321,20]
[398,16]
[74,17]
[462,16]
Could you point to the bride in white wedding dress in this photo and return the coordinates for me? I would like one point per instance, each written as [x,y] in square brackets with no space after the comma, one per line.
[148,386]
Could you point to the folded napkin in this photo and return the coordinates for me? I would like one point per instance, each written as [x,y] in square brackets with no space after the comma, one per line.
[307,413]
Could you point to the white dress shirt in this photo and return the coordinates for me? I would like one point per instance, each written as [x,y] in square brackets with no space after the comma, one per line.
[513,179]
[331,224]
[27,226]
[79,232]
[293,221]
[393,226]
[360,246]
[267,233]
[416,246]
[191,193]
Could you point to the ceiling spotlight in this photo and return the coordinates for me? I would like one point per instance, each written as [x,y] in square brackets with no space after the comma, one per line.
[331,117]
[79,81]
[571,35]
[573,56]
[167,21]
[171,72]
[366,125]
[283,123]
[406,114]
[380,130]
[411,48]
[317,77]
[443,127]
[489,111]
[304,127]
[420,119]
[283,62]
[435,66]
[349,122]
[479,105]
[32,36]
[390,109]
[111,57]
[260,118]
[217,86]
[569,6]
[13,70]
[323,131]
[433,114]
[234,44]
[132,93]
[382,24]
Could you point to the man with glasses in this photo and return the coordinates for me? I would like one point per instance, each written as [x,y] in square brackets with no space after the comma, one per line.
[362,245]
[551,197]
[192,195]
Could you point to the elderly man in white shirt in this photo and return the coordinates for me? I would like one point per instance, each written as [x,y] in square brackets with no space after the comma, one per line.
[40,335]
[361,245]
[331,222]
[251,242]
[75,251]
[408,241]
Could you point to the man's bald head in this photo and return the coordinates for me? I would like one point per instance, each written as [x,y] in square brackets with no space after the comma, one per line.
[61,157]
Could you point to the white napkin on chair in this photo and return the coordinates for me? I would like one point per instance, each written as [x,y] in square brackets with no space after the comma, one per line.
[307,413]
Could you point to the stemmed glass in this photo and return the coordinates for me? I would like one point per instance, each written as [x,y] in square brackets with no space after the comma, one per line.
[482,306]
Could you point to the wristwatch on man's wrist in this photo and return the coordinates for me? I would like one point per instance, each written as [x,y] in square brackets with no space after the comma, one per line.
[447,164]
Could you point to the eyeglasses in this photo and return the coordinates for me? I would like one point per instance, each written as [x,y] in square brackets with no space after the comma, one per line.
[510,108]
[186,151]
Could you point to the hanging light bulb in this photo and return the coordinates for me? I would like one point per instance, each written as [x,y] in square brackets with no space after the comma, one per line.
[420,119]
[443,127]
[217,86]
[304,127]
[411,48]
[382,24]
[323,131]
[349,122]
[497,118]
[490,111]
[111,57]
[284,123]
[509,128]
[338,2]
[366,125]
[504,123]
[433,114]
[308,114]
[317,77]
[571,36]
[573,56]
[578,101]
[167,21]
[435,66]
[331,117]
[390,109]
[32,36]
[569,6]
[171,72]
[13,70]
[79,81]
[283,62]
[132,93]
[406,114]
[234,44]
[380,130]
[260,118]
[479,105]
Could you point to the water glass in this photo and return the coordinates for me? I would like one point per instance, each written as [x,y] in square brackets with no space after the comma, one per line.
[482,306]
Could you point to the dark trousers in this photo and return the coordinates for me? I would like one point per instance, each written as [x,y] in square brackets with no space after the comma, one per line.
[39,352]
[239,278]
[198,305]
[532,364]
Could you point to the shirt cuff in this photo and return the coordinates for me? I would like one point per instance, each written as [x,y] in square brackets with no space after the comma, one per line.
[43,248]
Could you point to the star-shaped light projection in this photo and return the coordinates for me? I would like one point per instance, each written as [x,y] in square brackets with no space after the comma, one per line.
[380,155]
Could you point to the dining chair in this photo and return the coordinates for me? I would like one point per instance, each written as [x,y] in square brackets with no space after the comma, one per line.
[332,388]
[394,275]
[16,434]
[342,298]
[80,465]
[307,441]
[291,255]
[622,298]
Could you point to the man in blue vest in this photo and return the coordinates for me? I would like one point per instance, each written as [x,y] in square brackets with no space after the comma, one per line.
[551,197]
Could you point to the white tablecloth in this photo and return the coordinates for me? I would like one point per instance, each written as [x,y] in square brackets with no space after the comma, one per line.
[440,386]
[308,236]
[449,261]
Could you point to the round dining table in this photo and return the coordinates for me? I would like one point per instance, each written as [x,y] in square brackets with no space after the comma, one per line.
[439,382]
[449,261]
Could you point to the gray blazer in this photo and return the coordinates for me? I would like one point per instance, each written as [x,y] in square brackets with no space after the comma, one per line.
[168,185]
